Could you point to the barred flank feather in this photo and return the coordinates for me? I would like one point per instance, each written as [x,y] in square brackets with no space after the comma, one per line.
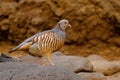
[48,41]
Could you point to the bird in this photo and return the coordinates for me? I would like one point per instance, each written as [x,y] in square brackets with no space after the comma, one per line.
[46,42]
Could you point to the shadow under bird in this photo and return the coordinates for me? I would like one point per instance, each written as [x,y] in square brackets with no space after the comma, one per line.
[46,42]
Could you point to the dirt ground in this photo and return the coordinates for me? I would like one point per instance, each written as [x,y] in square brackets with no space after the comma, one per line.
[96,24]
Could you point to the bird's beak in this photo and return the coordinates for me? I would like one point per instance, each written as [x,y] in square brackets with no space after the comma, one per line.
[69,26]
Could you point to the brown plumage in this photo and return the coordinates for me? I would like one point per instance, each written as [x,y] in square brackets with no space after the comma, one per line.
[46,42]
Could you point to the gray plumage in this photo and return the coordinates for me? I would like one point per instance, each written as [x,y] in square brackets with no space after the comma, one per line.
[46,42]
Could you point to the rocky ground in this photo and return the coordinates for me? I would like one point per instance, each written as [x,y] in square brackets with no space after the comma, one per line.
[96,30]
[93,67]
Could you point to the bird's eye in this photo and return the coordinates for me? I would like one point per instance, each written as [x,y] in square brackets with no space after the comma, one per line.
[65,22]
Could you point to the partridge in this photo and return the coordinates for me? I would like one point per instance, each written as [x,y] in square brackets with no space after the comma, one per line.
[46,42]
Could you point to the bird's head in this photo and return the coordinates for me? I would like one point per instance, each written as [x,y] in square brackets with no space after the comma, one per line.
[63,24]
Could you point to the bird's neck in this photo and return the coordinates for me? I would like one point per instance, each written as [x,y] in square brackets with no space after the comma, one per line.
[59,28]
[59,32]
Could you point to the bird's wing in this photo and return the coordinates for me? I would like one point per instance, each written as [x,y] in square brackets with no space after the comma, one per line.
[26,43]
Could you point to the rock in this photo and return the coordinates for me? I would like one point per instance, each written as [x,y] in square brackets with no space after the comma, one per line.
[7,8]
[115,40]
[95,57]
[114,77]
[27,71]
[92,76]
[6,58]
[4,28]
[33,59]
[103,66]
[117,62]
[73,63]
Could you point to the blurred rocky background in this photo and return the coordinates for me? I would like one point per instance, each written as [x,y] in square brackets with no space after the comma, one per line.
[96,23]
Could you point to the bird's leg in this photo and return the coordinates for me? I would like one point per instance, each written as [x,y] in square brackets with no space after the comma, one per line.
[48,57]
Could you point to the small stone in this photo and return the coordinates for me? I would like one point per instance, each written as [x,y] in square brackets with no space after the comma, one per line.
[6,58]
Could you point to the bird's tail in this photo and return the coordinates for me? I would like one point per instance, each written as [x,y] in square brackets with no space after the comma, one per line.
[15,48]
[25,44]
[10,51]
[22,46]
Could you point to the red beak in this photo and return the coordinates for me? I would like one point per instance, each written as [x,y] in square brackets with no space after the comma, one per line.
[69,26]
